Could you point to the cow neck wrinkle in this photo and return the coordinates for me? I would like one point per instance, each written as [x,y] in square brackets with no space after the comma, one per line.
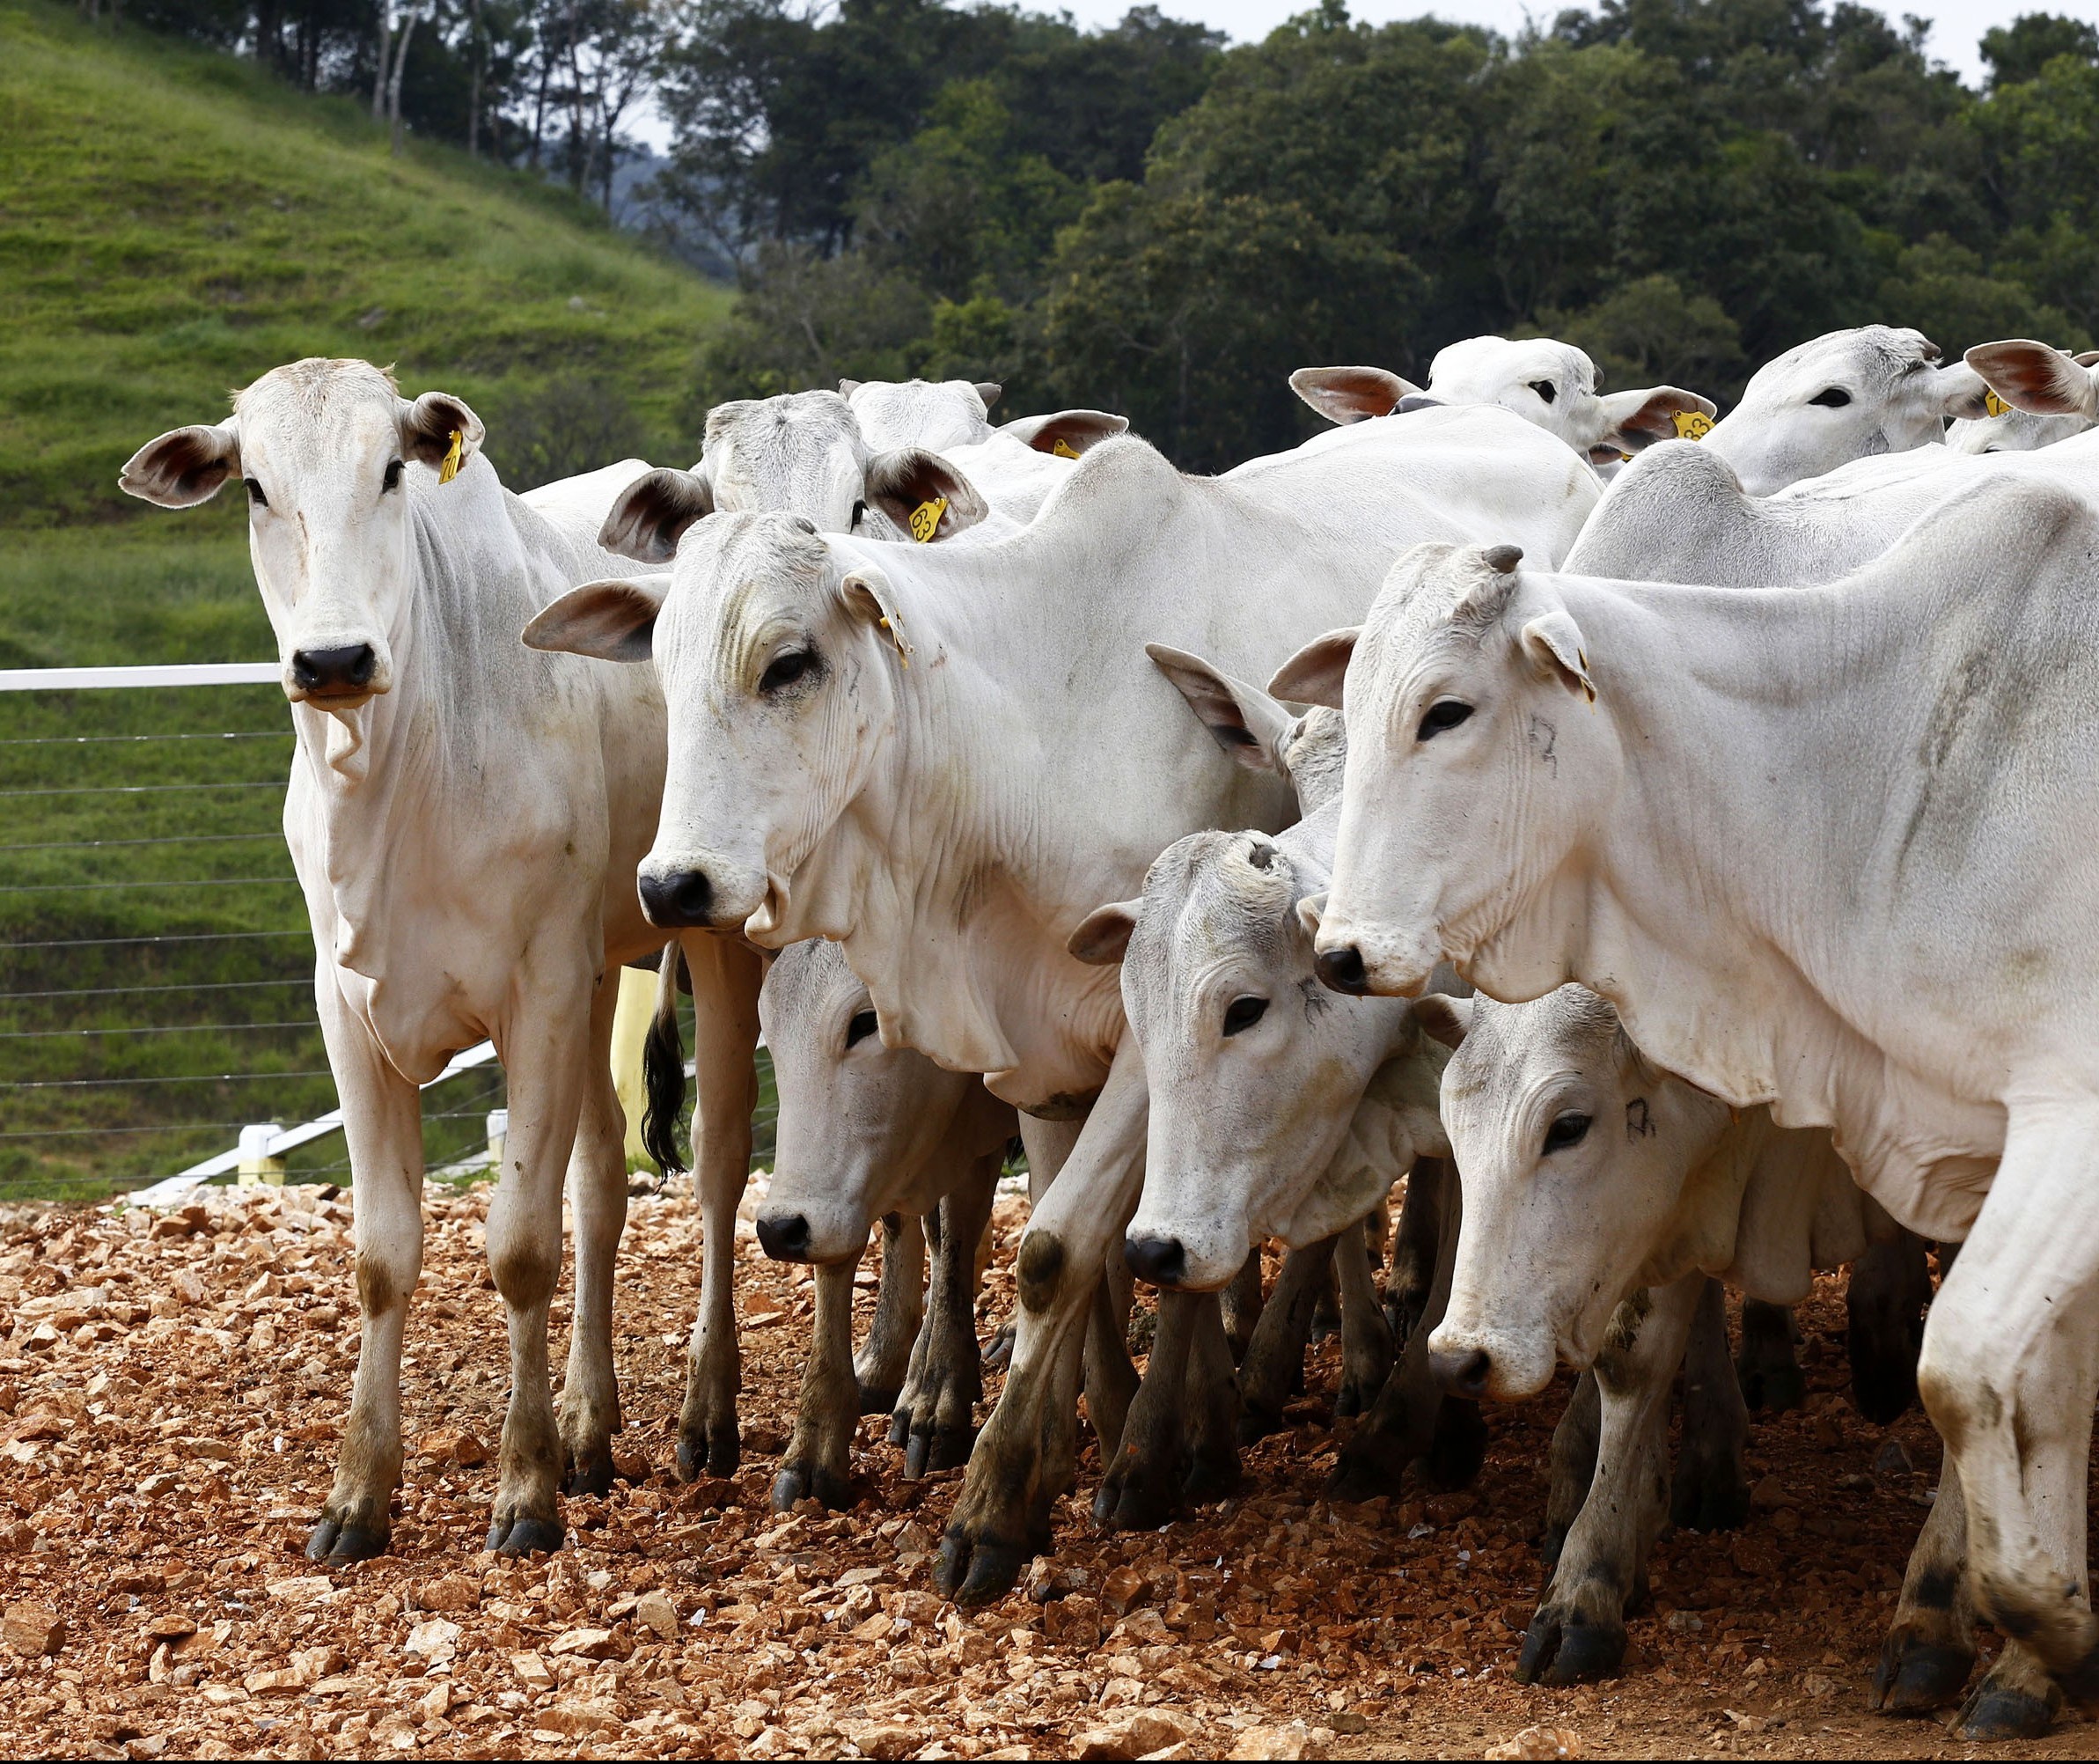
[422,756]
[1615,912]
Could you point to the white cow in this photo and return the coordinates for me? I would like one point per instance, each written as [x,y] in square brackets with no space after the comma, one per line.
[944,757]
[2052,395]
[463,816]
[1845,395]
[1821,850]
[1548,383]
[1593,1177]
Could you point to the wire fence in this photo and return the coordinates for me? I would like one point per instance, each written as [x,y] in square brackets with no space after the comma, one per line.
[156,963]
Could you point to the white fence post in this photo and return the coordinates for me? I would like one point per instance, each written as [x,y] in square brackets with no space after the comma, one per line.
[257,1167]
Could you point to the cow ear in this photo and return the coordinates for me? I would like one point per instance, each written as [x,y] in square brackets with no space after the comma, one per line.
[1066,433]
[1633,420]
[867,594]
[1554,642]
[441,431]
[650,516]
[1315,673]
[990,391]
[911,486]
[1351,394]
[847,387]
[1310,909]
[613,620]
[1103,934]
[1959,391]
[1443,1019]
[184,467]
[2032,377]
[1242,719]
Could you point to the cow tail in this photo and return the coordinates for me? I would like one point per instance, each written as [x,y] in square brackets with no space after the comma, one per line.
[663,1067]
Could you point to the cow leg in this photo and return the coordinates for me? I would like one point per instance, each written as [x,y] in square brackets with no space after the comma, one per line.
[1326,1307]
[1884,1304]
[1766,1366]
[1111,1375]
[1366,1337]
[1573,1461]
[1210,1400]
[1275,1357]
[939,1416]
[819,1457]
[2009,1373]
[1142,1487]
[588,1414]
[1416,1246]
[725,983]
[1930,1647]
[1411,1418]
[883,1362]
[1027,1453]
[1712,1489]
[1242,1305]
[382,1121]
[545,1065]
[1579,1631]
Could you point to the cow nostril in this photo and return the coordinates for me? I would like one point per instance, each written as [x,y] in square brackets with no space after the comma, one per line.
[1162,1261]
[352,666]
[685,897]
[1462,1374]
[1342,970]
[784,1239]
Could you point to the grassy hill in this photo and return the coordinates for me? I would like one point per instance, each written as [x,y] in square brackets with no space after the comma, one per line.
[172,223]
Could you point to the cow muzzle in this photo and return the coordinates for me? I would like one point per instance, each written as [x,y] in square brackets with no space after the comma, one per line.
[1349,958]
[337,676]
[697,894]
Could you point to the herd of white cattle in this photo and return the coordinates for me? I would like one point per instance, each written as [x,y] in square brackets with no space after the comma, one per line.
[1742,767]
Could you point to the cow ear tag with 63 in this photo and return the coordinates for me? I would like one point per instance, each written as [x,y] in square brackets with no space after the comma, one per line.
[925,519]
[1692,425]
[449,470]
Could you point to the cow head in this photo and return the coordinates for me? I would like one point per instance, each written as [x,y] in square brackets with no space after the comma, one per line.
[2041,396]
[936,414]
[1846,396]
[1255,1071]
[860,1124]
[328,452]
[779,653]
[1476,761]
[1582,1163]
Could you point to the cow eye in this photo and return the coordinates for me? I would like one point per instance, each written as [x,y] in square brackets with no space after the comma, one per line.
[1244,1013]
[860,1028]
[788,670]
[859,515]
[1445,713]
[392,482]
[256,499]
[1567,1129]
[1832,398]
[1544,389]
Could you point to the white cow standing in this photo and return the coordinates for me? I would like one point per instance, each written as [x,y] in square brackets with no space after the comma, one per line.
[462,816]
[1823,848]
[944,757]
[1545,382]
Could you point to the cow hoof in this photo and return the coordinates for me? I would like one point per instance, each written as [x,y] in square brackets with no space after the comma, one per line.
[1918,1678]
[1131,1500]
[2000,1712]
[1363,1475]
[1001,1347]
[978,1572]
[1772,1388]
[1212,1476]
[716,1452]
[945,1448]
[1569,1651]
[1257,1424]
[873,1401]
[333,1541]
[1458,1447]
[591,1476]
[526,1537]
[1709,1497]
[800,1481]
[1882,1394]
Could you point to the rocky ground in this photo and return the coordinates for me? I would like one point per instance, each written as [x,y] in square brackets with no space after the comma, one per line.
[171,1388]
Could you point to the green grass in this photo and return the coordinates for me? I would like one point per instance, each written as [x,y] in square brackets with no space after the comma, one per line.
[174,223]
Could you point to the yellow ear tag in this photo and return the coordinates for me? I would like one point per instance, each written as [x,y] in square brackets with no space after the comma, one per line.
[449,470]
[925,519]
[896,636]
[1995,405]
[1693,425]
[1064,450]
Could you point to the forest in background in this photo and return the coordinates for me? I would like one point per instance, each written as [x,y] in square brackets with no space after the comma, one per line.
[1143,219]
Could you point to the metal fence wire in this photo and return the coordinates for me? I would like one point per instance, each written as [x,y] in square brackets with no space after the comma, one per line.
[155,964]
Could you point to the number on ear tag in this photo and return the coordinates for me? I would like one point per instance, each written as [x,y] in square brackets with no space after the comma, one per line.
[1063,449]
[1995,405]
[449,470]
[1693,425]
[925,519]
